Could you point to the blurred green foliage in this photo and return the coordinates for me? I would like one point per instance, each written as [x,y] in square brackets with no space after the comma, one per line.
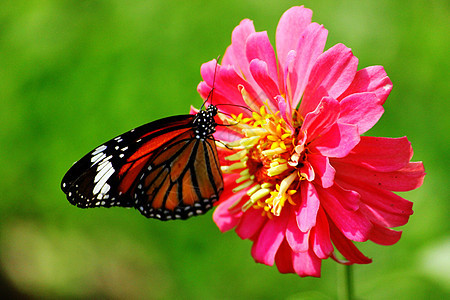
[75,73]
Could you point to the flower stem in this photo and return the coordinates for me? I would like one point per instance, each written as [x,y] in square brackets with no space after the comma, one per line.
[346,291]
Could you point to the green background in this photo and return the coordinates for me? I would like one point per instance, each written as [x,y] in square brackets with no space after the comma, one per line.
[74,74]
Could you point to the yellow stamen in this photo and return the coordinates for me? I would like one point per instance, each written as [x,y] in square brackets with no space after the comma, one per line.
[287,182]
[250,141]
[262,110]
[245,172]
[235,166]
[274,164]
[278,129]
[252,131]
[285,136]
[261,193]
[256,116]
[264,154]
[272,138]
[242,178]
[237,156]
[243,186]
[234,144]
[277,170]
[272,152]
[266,185]
[253,189]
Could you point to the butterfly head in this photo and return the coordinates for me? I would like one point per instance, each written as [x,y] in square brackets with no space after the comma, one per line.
[212,109]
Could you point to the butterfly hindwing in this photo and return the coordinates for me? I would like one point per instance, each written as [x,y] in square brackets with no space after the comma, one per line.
[185,184]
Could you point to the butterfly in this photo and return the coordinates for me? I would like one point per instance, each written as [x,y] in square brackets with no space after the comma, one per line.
[167,169]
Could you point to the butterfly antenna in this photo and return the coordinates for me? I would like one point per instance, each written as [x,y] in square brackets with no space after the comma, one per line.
[237,105]
[211,92]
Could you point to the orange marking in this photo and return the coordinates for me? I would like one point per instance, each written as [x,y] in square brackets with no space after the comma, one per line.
[157,142]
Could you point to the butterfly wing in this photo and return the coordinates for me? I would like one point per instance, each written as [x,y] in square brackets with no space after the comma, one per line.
[183,181]
[104,176]
[140,167]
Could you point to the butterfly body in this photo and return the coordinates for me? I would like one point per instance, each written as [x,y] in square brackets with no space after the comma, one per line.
[167,169]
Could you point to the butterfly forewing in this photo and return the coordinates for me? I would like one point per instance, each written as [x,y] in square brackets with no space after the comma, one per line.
[104,176]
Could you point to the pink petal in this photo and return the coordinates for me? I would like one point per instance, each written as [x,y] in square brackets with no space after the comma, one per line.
[207,70]
[371,79]
[297,240]
[285,111]
[324,171]
[349,199]
[222,216]
[331,75]
[380,153]
[380,206]
[309,205]
[227,82]
[259,47]
[289,29]
[193,110]
[407,178]
[320,236]
[384,236]
[310,46]
[228,57]
[346,247]
[306,264]
[363,110]
[338,141]
[317,122]
[226,134]
[224,152]
[218,99]
[384,217]
[222,90]
[259,71]
[353,224]
[283,258]
[307,171]
[269,240]
[238,43]
[250,224]
[288,77]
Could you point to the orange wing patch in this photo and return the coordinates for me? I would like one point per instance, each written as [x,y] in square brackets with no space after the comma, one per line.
[186,174]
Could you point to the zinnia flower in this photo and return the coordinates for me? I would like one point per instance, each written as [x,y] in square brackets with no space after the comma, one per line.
[300,180]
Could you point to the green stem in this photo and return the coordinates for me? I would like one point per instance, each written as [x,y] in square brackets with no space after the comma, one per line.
[347,291]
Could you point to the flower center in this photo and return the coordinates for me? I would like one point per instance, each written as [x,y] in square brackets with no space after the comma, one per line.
[268,159]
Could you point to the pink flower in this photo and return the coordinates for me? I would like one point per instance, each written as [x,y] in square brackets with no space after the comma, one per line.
[300,180]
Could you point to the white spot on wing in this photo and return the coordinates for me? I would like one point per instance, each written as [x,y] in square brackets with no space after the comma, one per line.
[105,190]
[99,149]
[97,157]
[108,166]
[102,181]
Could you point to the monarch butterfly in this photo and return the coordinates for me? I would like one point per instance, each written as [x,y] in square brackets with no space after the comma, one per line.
[167,169]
